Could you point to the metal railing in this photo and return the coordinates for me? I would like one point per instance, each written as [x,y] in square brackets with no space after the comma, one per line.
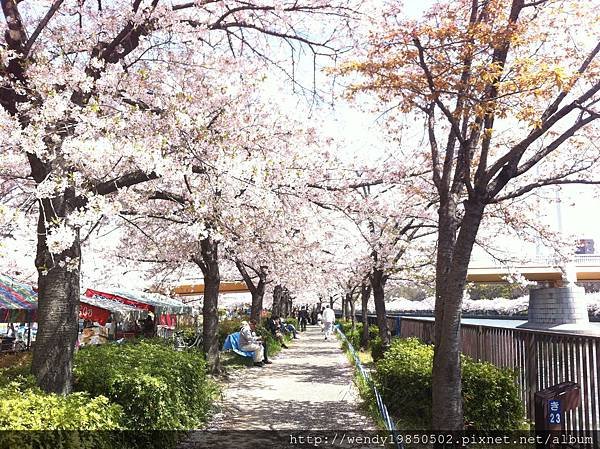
[383,411]
[539,359]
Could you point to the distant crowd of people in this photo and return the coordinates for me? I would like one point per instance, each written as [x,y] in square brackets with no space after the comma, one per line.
[324,317]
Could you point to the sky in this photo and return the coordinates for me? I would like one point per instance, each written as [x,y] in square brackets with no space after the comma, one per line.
[579,207]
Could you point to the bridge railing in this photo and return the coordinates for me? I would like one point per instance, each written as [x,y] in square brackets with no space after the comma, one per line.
[539,359]
[587,260]
[581,260]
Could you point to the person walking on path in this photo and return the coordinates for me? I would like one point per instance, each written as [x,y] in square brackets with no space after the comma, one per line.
[303,318]
[328,320]
[251,343]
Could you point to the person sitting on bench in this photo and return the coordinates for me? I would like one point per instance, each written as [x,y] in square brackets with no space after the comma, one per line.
[274,327]
[251,343]
[288,328]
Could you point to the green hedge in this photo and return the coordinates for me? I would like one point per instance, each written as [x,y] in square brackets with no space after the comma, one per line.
[23,406]
[377,348]
[26,407]
[157,387]
[143,385]
[490,394]
[293,321]
[354,337]
[189,335]
[273,346]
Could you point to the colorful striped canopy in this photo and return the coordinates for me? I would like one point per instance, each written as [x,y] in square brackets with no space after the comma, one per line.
[151,302]
[18,301]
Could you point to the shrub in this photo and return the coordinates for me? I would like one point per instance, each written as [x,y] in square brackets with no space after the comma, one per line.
[157,387]
[490,395]
[227,327]
[355,336]
[273,346]
[26,407]
[17,368]
[188,333]
[377,348]
[488,390]
[346,326]
[293,321]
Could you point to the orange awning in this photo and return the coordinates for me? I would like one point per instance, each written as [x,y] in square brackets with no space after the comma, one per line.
[198,289]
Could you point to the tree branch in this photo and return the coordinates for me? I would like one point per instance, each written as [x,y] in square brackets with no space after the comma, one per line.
[247,279]
[55,6]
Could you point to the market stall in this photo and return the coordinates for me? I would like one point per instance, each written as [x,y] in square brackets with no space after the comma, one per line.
[18,304]
[112,317]
[164,309]
[18,301]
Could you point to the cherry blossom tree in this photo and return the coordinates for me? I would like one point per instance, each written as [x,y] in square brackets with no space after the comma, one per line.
[88,100]
[389,210]
[506,93]
[238,206]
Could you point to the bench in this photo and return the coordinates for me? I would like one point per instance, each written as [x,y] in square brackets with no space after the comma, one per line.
[232,343]
[7,344]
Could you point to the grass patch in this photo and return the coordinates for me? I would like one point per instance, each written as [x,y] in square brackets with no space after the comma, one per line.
[368,404]
[230,359]
[365,358]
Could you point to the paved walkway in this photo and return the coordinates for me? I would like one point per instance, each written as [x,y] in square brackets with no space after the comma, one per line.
[308,386]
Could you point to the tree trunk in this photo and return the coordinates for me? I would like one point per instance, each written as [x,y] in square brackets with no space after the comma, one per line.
[345,307]
[452,263]
[350,300]
[58,303]
[378,280]
[254,309]
[284,304]
[365,293]
[277,300]
[257,291]
[208,261]
[288,302]
[260,294]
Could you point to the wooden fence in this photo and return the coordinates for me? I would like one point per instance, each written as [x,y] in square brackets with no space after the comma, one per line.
[540,360]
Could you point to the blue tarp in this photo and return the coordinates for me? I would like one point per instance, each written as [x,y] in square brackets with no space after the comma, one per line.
[232,343]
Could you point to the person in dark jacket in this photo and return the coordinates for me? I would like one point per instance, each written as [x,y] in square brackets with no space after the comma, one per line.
[148,327]
[274,326]
[303,318]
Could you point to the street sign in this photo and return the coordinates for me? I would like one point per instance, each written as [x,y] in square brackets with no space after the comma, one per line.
[554,412]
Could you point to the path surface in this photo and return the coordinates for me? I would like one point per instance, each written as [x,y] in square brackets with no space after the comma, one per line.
[308,386]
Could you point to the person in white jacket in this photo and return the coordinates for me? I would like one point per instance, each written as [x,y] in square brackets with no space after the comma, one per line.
[328,320]
[250,342]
